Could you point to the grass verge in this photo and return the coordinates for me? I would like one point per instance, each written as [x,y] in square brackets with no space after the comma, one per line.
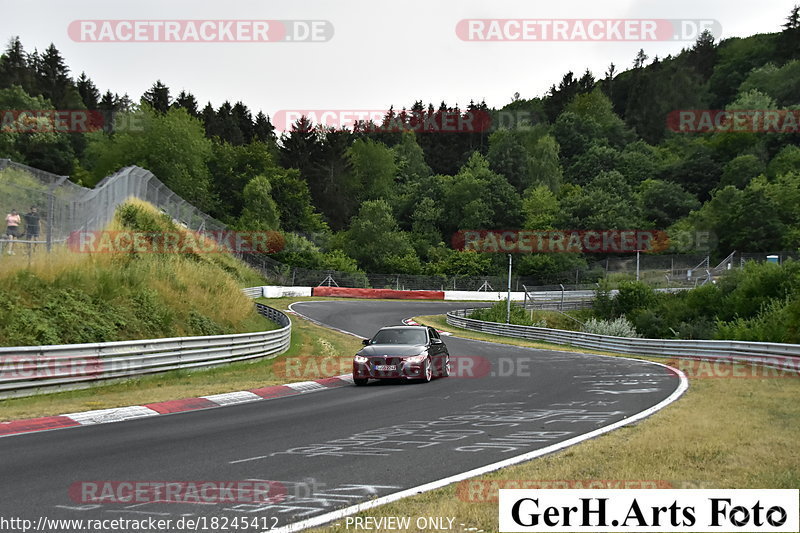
[722,433]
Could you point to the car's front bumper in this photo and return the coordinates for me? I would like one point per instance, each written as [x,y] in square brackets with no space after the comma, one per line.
[402,370]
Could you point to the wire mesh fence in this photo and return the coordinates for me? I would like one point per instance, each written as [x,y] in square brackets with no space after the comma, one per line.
[666,271]
[65,207]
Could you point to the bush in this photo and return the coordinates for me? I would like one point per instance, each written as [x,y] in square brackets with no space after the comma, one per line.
[498,312]
[603,304]
[778,321]
[619,327]
[632,296]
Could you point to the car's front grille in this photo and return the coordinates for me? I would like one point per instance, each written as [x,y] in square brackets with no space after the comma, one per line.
[386,360]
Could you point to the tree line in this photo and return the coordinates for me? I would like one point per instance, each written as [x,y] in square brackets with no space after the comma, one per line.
[592,153]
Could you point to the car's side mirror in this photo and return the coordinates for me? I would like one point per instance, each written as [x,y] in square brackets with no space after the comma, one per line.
[437,341]
[365,342]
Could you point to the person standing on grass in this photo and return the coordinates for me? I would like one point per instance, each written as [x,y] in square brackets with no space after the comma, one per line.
[12,229]
[32,224]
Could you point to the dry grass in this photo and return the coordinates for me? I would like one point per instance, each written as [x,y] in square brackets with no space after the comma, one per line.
[126,295]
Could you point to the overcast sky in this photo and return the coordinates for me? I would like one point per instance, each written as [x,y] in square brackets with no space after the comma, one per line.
[381,54]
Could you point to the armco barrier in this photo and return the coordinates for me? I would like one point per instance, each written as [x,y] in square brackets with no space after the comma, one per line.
[346,292]
[276,291]
[770,354]
[28,370]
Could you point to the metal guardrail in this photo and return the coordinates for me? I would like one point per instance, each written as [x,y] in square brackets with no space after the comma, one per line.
[769,354]
[253,292]
[29,370]
[568,300]
[558,300]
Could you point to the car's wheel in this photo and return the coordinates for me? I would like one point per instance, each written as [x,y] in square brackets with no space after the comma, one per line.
[360,381]
[427,371]
[445,367]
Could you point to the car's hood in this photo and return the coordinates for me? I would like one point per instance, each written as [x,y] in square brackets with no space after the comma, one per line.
[394,350]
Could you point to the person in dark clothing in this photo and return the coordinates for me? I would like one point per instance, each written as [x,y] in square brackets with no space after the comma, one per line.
[31,219]
[32,224]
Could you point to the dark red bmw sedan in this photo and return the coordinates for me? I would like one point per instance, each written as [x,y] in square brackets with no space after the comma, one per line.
[402,352]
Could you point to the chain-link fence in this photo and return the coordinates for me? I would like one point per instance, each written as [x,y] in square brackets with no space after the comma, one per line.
[774,257]
[64,207]
[666,271]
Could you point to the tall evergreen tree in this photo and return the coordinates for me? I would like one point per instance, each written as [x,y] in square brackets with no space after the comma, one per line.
[263,130]
[209,118]
[609,80]
[703,55]
[53,77]
[789,39]
[244,121]
[88,91]
[226,126]
[560,96]
[586,83]
[158,97]
[187,101]
[641,57]
[14,66]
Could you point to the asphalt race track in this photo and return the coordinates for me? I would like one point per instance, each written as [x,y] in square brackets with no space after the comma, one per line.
[335,448]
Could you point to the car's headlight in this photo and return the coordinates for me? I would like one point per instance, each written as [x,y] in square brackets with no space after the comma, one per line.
[360,359]
[415,359]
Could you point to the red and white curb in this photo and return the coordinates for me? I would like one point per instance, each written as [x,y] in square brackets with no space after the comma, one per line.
[119,414]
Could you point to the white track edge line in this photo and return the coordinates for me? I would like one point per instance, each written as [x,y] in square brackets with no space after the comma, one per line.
[341,513]
[317,322]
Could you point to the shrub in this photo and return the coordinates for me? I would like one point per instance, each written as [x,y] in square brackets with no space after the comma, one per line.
[632,296]
[498,312]
[603,304]
[619,327]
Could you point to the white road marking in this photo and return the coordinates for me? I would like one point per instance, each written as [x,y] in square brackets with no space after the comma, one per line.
[232,398]
[341,513]
[117,414]
[306,386]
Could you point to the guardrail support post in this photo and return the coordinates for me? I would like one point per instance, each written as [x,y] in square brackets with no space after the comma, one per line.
[508,298]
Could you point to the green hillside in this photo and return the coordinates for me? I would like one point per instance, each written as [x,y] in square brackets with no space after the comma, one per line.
[72,297]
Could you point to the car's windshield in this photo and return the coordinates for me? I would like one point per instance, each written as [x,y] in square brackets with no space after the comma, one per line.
[400,336]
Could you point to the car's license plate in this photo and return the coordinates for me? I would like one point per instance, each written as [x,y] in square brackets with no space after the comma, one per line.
[385,367]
